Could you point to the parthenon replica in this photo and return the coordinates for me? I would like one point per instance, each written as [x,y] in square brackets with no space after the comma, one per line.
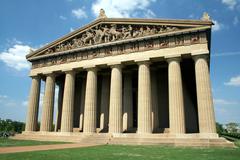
[126,81]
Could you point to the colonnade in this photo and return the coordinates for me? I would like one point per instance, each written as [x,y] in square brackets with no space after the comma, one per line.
[119,115]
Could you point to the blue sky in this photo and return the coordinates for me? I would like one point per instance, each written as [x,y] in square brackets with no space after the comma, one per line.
[29,24]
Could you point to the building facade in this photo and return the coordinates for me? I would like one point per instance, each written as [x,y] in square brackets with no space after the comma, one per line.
[126,76]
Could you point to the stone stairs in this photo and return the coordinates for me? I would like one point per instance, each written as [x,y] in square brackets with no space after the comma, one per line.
[127,139]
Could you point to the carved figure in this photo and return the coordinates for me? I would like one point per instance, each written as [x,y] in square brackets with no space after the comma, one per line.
[49,51]
[88,40]
[153,30]
[127,33]
[138,33]
[147,31]
[102,14]
[98,38]
[115,35]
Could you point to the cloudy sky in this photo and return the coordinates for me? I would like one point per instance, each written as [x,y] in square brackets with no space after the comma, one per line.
[29,24]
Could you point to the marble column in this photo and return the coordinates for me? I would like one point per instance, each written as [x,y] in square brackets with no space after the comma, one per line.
[176,104]
[60,102]
[144,99]
[104,107]
[33,105]
[154,89]
[127,102]
[90,110]
[48,104]
[82,101]
[115,110]
[206,116]
[68,102]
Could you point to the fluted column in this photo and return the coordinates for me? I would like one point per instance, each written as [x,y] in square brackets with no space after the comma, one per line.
[104,108]
[48,104]
[204,96]
[81,118]
[90,111]
[176,105]
[127,102]
[60,102]
[144,99]
[68,102]
[115,113]
[155,119]
[33,105]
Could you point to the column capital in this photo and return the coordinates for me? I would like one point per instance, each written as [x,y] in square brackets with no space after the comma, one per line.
[115,64]
[176,59]
[119,66]
[94,69]
[69,71]
[72,72]
[146,62]
[50,74]
[201,56]
[38,77]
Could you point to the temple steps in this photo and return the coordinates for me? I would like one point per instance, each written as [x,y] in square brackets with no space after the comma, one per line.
[127,139]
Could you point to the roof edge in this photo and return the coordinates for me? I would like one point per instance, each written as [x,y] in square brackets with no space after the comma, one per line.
[138,20]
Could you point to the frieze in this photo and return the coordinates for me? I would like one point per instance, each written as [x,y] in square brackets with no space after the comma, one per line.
[131,47]
[105,33]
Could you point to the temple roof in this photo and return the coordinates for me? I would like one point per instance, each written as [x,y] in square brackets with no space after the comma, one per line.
[105,30]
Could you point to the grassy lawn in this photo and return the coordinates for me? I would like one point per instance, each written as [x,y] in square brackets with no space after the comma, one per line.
[114,152]
[6,142]
[237,143]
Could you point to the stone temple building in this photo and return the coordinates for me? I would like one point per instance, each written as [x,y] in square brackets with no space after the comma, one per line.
[126,81]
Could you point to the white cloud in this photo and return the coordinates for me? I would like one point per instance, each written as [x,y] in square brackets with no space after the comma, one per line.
[234,81]
[123,8]
[3,97]
[230,3]
[15,58]
[217,26]
[79,13]
[71,29]
[235,21]
[192,16]
[24,103]
[9,102]
[223,102]
[226,54]
[149,14]
[63,17]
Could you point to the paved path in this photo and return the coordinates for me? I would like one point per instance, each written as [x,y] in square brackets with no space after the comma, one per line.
[42,147]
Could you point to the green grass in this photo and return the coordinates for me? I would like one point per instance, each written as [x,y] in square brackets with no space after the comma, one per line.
[114,152]
[6,142]
[237,143]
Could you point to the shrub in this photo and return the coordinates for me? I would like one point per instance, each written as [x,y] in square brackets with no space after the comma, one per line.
[9,127]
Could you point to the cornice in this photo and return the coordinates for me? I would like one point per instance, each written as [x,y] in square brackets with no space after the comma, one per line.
[138,21]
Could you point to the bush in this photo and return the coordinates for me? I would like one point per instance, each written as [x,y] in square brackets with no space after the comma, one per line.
[234,135]
[6,134]
[9,127]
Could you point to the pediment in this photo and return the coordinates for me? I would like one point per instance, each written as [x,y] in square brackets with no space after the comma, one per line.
[109,30]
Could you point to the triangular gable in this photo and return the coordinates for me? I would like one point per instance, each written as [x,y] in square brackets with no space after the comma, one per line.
[108,30]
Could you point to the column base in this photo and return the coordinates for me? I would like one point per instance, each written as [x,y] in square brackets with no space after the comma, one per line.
[183,140]
[208,135]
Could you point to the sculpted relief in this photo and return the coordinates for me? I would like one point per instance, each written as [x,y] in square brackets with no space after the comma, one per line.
[105,33]
[130,47]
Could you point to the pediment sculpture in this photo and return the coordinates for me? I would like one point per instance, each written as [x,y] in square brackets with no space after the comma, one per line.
[104,33]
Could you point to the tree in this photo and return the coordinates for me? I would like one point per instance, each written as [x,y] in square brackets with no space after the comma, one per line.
[232,127]
[11,126]
[220,128]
